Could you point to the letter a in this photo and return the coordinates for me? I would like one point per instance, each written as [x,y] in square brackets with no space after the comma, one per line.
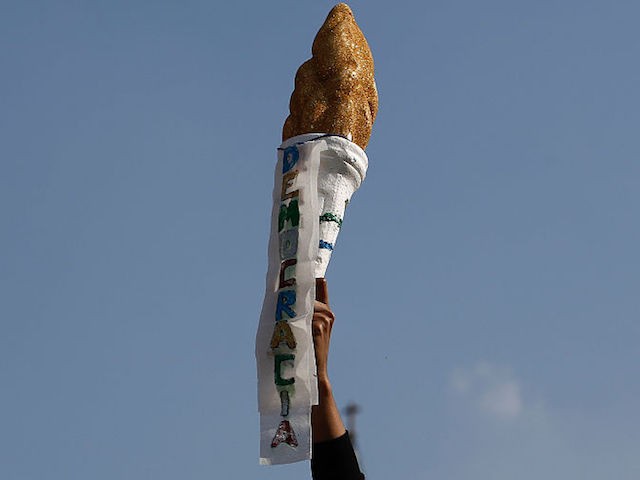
[284,434]
[282,333]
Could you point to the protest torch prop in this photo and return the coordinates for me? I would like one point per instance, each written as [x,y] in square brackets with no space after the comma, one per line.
[321,163]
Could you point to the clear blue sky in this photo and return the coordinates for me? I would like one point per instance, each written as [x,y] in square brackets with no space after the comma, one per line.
[485,282]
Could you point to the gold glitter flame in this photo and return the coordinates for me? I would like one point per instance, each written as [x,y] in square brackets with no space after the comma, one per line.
[335,91]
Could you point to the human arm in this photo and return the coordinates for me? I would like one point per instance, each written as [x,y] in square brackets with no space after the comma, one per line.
[333,455]
[326,422]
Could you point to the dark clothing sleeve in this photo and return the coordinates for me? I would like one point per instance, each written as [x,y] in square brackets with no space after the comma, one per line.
[335,460]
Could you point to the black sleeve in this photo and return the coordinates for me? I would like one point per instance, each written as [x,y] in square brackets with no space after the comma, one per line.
[335,460]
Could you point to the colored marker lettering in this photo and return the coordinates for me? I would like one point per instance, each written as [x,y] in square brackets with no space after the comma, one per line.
[283,268]
[280,358]
[286,299]
[291,213]
[282,333]
[284,434]
[287,183]
[288,243]
[290,158]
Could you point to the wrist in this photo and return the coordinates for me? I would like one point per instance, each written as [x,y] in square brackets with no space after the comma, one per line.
[324,385]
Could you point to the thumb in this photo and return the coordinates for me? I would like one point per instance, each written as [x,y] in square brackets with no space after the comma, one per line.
[322,292]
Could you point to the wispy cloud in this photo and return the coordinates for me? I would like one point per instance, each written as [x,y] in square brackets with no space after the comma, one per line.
[492,389]
[501,427]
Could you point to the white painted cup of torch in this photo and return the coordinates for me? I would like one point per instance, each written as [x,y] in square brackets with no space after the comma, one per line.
[342,166]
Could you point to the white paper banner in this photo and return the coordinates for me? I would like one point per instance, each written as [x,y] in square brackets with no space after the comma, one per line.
[316,175]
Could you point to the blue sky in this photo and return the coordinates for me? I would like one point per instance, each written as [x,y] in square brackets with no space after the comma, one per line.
[485,282]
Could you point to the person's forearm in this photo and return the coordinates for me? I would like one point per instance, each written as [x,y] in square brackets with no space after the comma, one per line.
[333,454]
[326,423]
